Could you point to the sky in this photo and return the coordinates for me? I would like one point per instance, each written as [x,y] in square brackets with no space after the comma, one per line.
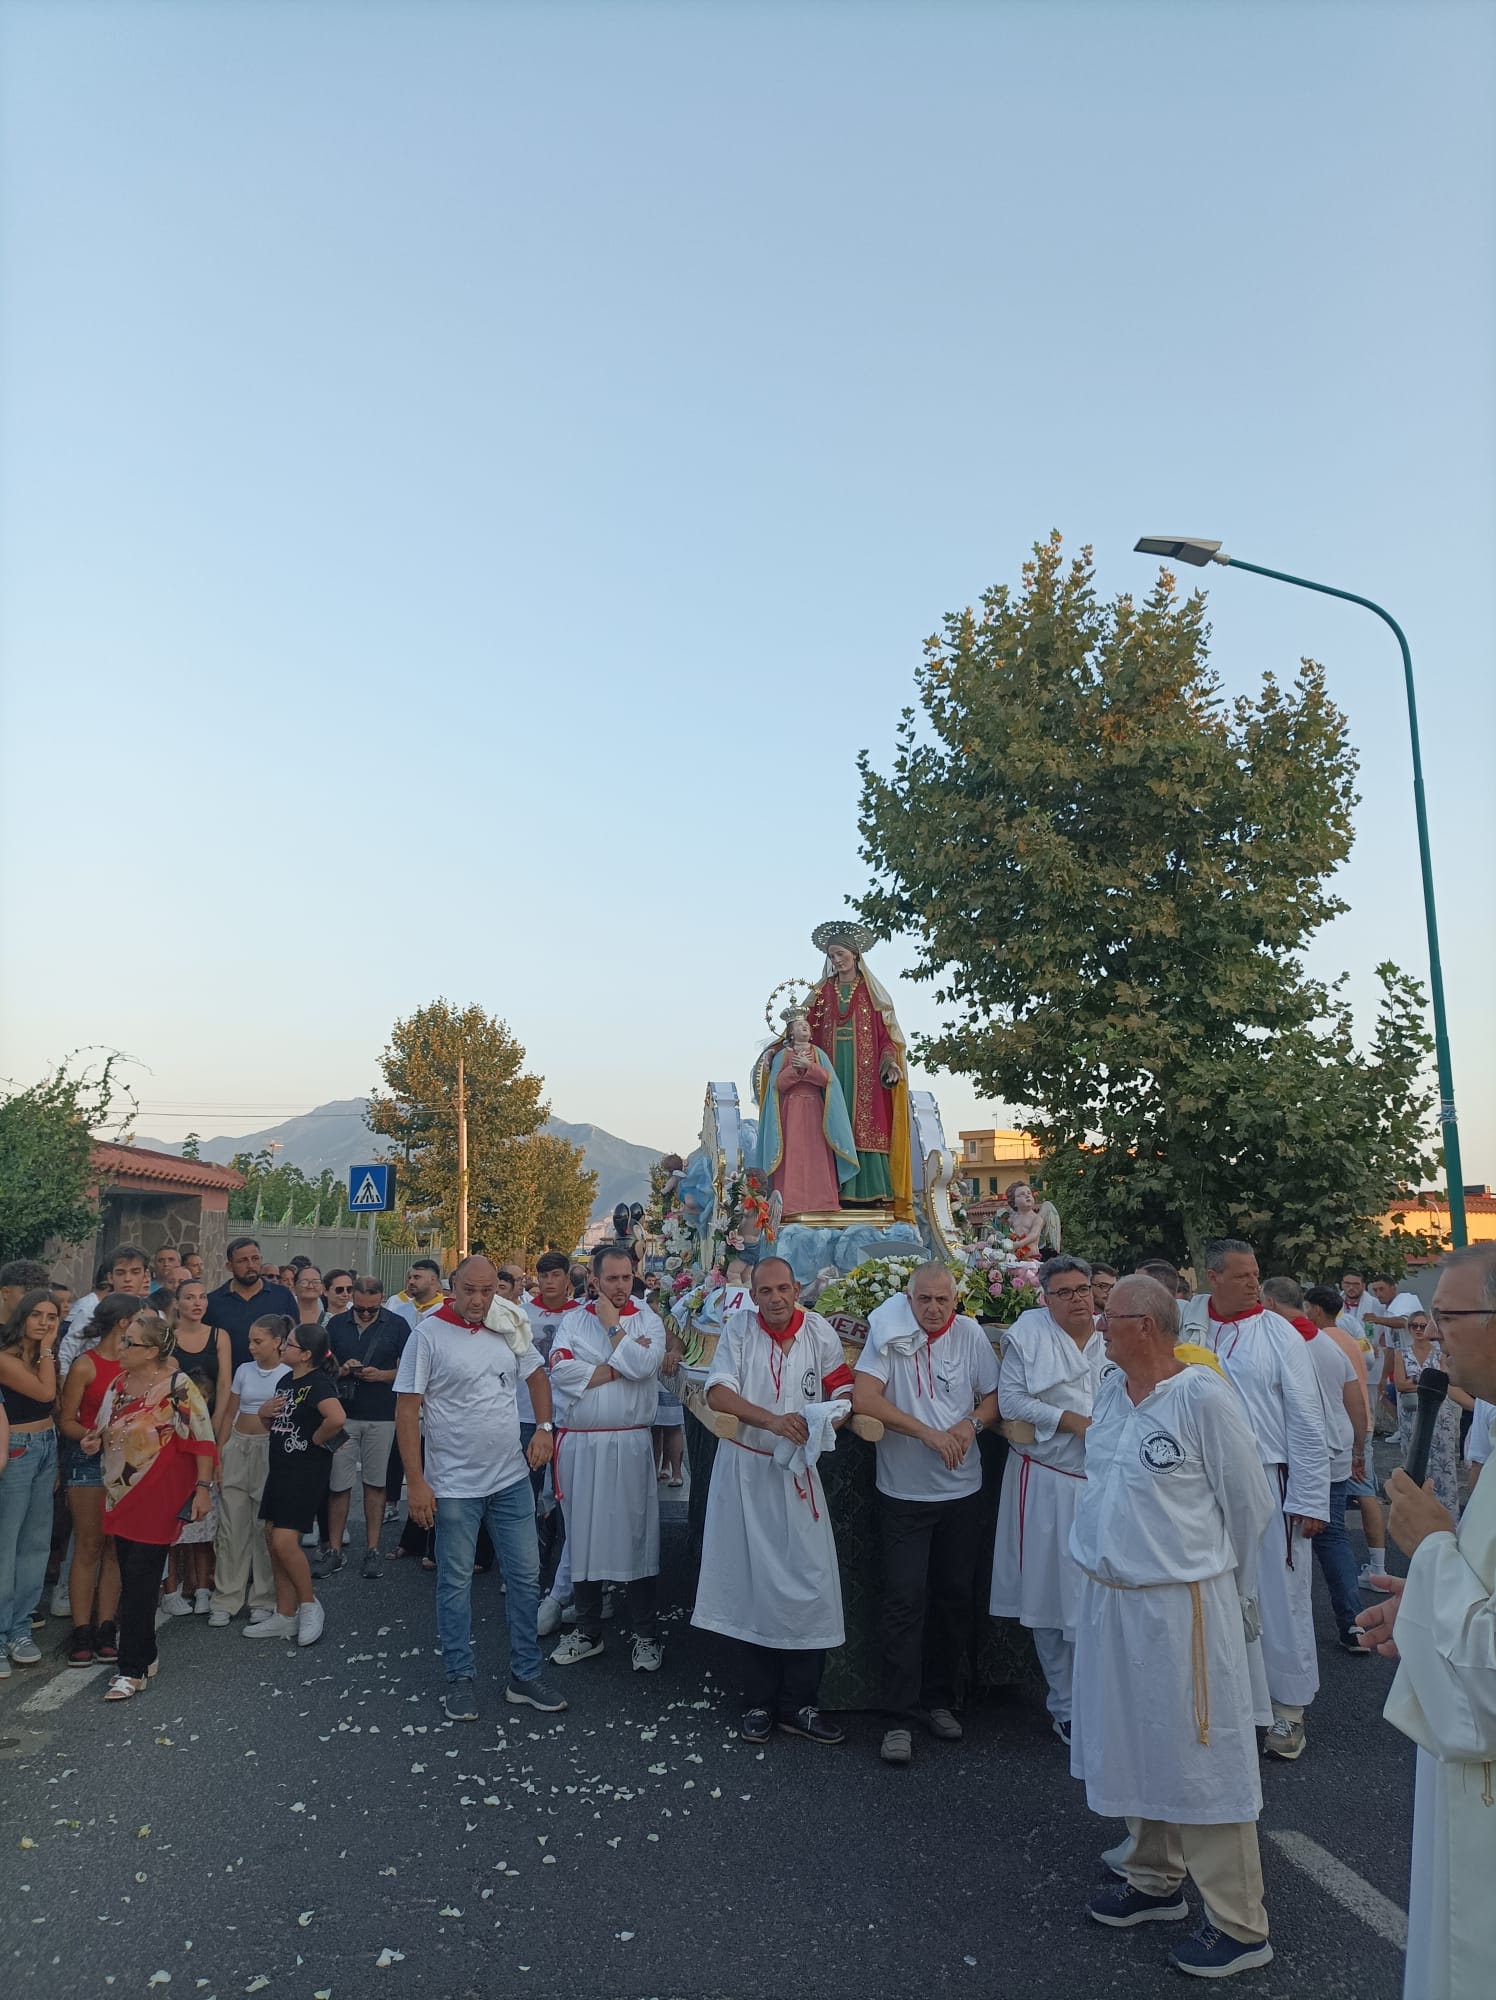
[474,477]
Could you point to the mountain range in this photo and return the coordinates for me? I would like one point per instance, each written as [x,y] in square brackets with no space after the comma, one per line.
[335,1136]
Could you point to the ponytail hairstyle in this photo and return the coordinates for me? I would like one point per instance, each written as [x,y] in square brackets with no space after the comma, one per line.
[277,1325]
[314,1343]
[115,1309]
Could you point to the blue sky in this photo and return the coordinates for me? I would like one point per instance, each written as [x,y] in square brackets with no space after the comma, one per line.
[474,476]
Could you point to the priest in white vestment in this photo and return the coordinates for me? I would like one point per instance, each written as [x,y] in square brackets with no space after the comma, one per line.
[1168,1533]
[768,1556]
[605,1365]
[1268,1362]
[1051,1363]
[1441,1623]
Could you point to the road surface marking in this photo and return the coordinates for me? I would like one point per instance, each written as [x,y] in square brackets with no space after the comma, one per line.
[1374,1909]
[62,1687]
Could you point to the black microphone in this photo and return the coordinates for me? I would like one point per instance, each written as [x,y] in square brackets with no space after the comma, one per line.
[1433,1387]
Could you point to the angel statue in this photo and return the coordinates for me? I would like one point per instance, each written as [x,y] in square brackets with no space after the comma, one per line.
[853,1022]
[805,1146]
[1033,1225]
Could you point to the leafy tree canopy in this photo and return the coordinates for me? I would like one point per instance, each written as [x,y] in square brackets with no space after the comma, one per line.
[527,1190]
[1113,873]
[284,1195]
[47,1176]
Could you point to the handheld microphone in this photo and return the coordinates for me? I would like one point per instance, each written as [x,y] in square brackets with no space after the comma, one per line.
[1433,1387]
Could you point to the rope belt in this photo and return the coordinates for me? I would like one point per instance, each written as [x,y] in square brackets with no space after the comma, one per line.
[597,1430]
[1199,1663]
[805,1492]
[1023,1480]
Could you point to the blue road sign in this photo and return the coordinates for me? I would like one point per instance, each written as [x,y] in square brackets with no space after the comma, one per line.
[371,1190]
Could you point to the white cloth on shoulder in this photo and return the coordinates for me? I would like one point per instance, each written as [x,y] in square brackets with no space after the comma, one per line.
[893,1327]
[505,1317]
[820,1422]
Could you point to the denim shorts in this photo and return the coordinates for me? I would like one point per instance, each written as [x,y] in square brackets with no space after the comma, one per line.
[78,1469]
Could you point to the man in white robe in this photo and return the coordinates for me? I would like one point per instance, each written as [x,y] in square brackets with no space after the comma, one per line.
[768,1556]
[1441,1622]
[1167,1534]
[1268,1362]
[1051,1363]
[605,1364]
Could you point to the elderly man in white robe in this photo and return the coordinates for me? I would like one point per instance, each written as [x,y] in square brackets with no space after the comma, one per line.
[605,1364]
[1441,1622]
[1051,1362]
[1168,1534]
[1269,1363]
[768,1556]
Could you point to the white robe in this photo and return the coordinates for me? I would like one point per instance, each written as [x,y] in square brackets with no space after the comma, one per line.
[1268,1363]
[1444,1697]
[605,1471]
[1043,1374]
[768,1556]
[1174,1497]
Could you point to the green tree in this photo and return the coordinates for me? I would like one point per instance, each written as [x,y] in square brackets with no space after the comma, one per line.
[285,1195]
[48,1182]
[1113,874]
[524,1187]
[192,1146]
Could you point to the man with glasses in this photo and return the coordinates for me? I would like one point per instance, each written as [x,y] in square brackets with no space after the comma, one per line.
[1174,1517]
[1440,1621]
[1269,1362]
[1051,1366]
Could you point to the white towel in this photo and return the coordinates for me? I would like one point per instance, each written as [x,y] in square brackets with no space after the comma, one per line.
[512,1321]
[820,1422]
[893,1326]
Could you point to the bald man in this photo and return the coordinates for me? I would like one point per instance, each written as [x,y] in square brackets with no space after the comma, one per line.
[461,1379]
[930,1378]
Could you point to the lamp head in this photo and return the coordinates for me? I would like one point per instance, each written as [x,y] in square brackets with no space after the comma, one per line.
[1180,548]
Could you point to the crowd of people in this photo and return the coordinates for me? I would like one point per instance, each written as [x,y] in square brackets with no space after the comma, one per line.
[1175,1455]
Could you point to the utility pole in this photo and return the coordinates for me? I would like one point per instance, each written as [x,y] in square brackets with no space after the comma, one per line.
[462,1163]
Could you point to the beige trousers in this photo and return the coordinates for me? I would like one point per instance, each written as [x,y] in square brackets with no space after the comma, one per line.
[1223,1860]
[241,1561]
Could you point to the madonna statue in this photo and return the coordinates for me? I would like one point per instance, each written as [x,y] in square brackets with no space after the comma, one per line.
[852,1020]
[805,1144]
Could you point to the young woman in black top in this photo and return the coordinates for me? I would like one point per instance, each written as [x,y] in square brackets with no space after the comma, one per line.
[304,1419]
[203,1354]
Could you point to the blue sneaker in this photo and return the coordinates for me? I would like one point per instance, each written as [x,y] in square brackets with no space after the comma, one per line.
[1121,1906]
[1210,1954]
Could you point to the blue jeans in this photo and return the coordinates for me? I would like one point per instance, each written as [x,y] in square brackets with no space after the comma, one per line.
[1334,1555]
[509,1517]
[25,1529]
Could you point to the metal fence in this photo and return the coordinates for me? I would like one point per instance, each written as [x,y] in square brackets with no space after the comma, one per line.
[334,1249]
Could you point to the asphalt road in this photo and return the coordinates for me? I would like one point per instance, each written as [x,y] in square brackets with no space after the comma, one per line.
[268,1819]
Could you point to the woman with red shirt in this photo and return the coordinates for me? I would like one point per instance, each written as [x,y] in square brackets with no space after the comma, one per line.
[158,1453]
[94,1567]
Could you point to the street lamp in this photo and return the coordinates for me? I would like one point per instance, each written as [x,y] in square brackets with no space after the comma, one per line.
[1191,549]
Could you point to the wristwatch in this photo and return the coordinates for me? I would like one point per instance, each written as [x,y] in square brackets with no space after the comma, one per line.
[977,1426]
[545,1427]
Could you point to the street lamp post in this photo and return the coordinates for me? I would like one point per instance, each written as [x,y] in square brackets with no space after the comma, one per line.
[1190,549]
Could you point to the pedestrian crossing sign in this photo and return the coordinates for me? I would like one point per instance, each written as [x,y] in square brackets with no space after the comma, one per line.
[371,1190]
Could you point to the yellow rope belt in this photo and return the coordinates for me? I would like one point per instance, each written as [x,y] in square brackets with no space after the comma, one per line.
[1199,1665]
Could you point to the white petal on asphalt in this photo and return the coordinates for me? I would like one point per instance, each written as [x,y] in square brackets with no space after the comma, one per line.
[388,1957]
[305,1918]
[159,1979]
[257,1984]
[623,1936]
[968,1960]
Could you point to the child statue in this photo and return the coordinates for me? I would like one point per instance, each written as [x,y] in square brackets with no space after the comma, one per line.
[805,1146]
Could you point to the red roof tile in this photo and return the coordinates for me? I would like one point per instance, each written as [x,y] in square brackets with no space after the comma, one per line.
[1409,1204]
[141,1164]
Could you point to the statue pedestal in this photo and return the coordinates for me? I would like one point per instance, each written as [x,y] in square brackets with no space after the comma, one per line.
[844,1218]
[809,1246]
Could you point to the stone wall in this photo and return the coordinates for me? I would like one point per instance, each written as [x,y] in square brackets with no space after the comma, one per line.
[151,1220]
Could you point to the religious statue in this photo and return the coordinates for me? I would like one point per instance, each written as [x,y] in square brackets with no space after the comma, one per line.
[1034,1226]
[805,1144]
[852,1020]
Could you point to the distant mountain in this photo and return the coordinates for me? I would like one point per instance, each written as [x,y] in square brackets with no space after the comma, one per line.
[335,1136]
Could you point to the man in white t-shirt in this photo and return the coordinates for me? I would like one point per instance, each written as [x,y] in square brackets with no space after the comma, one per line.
[461,1381]
[933,1387]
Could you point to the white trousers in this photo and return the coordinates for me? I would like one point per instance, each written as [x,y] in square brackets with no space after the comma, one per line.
[1057,1658]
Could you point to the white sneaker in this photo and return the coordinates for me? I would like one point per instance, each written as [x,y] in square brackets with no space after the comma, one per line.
[202,1602]
[176,1604]
[260,1613]
[575,1646]
[62,1604]
[310,1619]
[649,1655]
[548,1620]
[221,1618]
[1366,1576]
[271,1626]
[310,1539]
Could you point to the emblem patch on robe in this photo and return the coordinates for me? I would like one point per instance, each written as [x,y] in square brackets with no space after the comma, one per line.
[1161,1453]
[809,1384]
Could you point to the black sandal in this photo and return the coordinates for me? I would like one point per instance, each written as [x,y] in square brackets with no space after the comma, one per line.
[106,1641]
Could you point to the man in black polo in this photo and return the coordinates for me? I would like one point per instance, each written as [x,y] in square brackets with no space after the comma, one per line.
[246,1297]
[367,1343]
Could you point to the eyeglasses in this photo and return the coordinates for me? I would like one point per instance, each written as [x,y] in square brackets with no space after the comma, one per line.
[1441,1317]
[1110,1316]
[137,1343]
[1071,1292]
